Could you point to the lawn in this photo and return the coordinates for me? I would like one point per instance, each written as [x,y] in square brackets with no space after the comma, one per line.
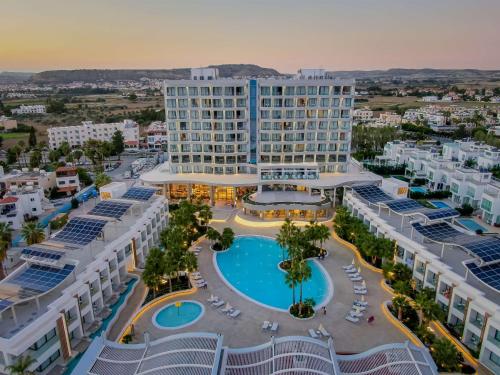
[14,135]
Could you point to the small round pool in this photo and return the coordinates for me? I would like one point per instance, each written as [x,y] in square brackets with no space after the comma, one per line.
[250,267]
[178,314]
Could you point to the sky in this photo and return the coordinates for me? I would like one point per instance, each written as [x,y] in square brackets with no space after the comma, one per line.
[37,35]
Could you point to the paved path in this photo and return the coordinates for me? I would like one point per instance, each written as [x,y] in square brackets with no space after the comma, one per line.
[246,329]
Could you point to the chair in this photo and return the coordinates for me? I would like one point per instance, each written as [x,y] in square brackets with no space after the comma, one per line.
[360,291]
[228,308]
[323,331]
[197,277]
[218,304]
[274,327]
[358,308]
[212,298]
[351,319]
[313,334]
[352,270]
[356,314]
[266,325]
[235,314]
[359,287]
[353,275]
[349,267]
[360,303]
[359,278]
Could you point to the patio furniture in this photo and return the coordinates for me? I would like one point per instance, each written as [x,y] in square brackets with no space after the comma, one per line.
[227,309]
[323,331]
[349,267]
[218,304]
[360,303]
[266,325]
[351,270]
[360,291]
[212,298]
[351,319]
[235,314]
[274,327]
[356,314]
[313,334]
[359,287]
[359,278]
[353,275]
[358,308]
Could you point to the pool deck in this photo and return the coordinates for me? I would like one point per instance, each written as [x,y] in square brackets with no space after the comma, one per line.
[246,329]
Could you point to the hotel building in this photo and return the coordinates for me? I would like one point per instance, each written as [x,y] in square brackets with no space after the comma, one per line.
[67,285]
[461,266]
[285,140]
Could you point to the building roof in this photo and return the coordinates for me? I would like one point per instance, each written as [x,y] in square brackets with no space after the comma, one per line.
[66,188]
[203,354]
[66,169]
[8,200]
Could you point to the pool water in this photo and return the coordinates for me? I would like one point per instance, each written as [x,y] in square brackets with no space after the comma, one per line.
[250,267]
[471,225]
[439,204]
[418,189]
[172,316]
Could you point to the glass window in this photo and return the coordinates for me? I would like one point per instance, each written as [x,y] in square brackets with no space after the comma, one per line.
[193,91]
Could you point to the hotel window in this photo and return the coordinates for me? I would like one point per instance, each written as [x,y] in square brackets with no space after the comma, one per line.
[229,91]
[277,90]
[217,91]
[289,90]
[336,102]
[181,91]
[171,103]
[324,90]
[347,102]
[193,91]
[183,103]
[312,90]
[170,91]
[312,102]
[228,103]
[240,90]
[240,103]
[301,90]
[265,90]
[205,91]
[289,103]
[207,126]
[266,102]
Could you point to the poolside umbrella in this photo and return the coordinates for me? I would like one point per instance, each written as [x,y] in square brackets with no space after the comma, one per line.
[178,304]
[353,262]
[364,284]
[362,298]
[359,269]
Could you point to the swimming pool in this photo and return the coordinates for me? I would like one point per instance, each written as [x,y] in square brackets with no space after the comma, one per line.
[471,225]
[250,267]
[178,314]
[439,204]
[418,189]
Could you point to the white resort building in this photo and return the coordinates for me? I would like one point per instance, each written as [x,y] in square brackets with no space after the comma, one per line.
[279,145]
[463,268]
[64,289]
[78,134]
[37,109]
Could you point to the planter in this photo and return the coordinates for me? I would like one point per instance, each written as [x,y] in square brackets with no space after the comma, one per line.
[312,312]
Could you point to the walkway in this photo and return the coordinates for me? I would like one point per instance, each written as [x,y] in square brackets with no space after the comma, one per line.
[246,329]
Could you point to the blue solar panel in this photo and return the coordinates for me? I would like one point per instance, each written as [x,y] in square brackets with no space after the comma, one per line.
[139,193]
[34,251]
[40,279]
[372,193]
[440,232]
[486,248]
[489,274]
[4,304]
[402,205]
[443,213]
[110,209]
[81,230]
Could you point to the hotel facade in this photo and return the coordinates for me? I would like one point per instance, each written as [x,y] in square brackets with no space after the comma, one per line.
[259,141]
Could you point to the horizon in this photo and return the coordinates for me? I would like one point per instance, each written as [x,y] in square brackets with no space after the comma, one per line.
[337,35]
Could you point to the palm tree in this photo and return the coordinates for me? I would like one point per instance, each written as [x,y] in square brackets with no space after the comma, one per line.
[154,270]
[77,154]
[312,232]
[284,237]
[304,273]
[5,238]
[323,233]
[227,238]
[20,367]
[290,280]
[399,303]
[32,233]
[205,215]
[427,308]
[212,235]
[445,355]
[402,287]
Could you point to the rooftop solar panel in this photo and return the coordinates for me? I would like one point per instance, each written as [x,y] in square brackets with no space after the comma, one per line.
[34,251]
[372,193]
[139,193]
[402,205]
[489,274]
[40,279]
[443,213]
[81,231]
[110,209]
[486,248]
[437,232]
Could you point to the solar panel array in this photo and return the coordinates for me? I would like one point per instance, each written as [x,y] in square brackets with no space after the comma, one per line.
[402,205]
[110,209]
[139,193]
[437,232]
[40,279]
[34,251]
[443,213]
[486,248]
[372,193]
[489,274]
[81,231]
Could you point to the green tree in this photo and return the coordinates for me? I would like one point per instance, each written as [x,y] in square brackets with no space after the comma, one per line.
[54,156]
[212,235]
[446,355]
[101,179]
[5,241]
[35,158]
[402,287]
[303,274]
[12,155]
[291,281]
[426,307]
[65,149]
[227,238]
[21,366]
[32,137]
[205,215]
[323,234]
[118,142]
[400,303]
[32,233]
[77,155]
[285,235]
[154,270]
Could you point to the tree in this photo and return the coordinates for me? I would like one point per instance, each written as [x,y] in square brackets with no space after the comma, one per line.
[446,355]
[93,150]
[32,137]
[32,233]
[35,159]
[154,269]
[12,155]
[117,142]
[5,241]
[77,155]
[101,179]
[323,234]
[205,215]
[20,367]
[290,280]
[303,274]
[54,156]
[400,303]
[402,287]
[285,235]
[427,308]
[470,163]
[1,141]
[212,235]
[227,238]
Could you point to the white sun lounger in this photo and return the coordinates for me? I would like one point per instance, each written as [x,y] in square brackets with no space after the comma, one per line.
[360,291]
[196,273]
[212,298]
[218,304]
[323,331]
[266,325]
[355,314]
[313,334]
[227,309]
[351,319]
[198,248]
[349,267]
[361,303]
[352,270]
[197,277]
[358,308]
[274,327]
[359,278]
[353,275]
[235,313]
[359,287]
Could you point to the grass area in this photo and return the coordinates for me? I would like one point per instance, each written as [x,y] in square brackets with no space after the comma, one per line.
[14,135]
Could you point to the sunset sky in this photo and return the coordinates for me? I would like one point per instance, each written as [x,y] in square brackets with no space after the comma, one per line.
[40,35]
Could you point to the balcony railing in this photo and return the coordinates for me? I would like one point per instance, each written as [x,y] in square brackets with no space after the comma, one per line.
[325,200]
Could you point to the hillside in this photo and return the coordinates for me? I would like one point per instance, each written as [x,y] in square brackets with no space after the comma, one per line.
[14,77]
[95,75]
[423,74]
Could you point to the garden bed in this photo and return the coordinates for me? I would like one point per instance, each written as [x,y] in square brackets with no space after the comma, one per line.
[181,283]
[307,311]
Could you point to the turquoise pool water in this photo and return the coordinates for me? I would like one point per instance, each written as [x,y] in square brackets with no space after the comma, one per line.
[418,189]
[250,267]
[172,317]
[471,225]
[439,204]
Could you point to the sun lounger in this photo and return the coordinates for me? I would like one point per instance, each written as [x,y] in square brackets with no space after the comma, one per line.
[349,267]
[360,291]
[235,313]
[218,304]
[195,273]
[359,278]
[323,331]
[227,309]
[313,334]
[361,303]
[197,277]
[266,325]
[201,285]
[355,314]
[351,319]
[198,248]
[358,308]
[359,287]
[353,275]
[351,270]
[212,298]
[274,327]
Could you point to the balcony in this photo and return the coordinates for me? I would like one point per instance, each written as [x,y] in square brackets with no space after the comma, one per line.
[285,200]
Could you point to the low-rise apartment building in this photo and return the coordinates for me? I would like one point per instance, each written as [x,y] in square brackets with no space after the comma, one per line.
[363,114]
[462,267]
[85,268]
[29,110]
[79,134]
[67,180]
[157,135]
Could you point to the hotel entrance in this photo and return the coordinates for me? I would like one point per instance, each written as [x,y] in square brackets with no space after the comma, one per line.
[225,194]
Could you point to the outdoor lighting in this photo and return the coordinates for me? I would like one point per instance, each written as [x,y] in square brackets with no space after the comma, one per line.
[178,304]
